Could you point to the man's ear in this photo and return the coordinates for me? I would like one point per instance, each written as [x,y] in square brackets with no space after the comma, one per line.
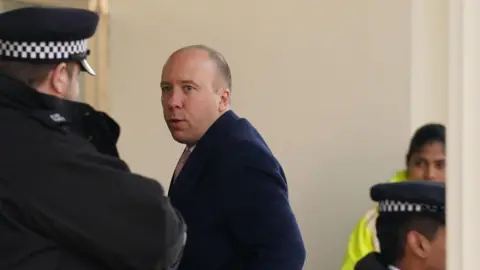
[59,79]
[224,99]
[418,244]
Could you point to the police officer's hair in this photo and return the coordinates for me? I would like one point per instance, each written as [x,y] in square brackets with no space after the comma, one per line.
[31,74]
[426,134]
[392,233]
[220,61]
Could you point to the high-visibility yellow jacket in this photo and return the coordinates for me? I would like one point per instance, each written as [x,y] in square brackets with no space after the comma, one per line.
[363,239]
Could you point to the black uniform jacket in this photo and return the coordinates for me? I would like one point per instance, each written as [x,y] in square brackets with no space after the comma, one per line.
[372,261]
[66,200]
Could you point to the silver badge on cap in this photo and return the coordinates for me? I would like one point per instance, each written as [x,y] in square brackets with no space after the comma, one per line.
[86,66]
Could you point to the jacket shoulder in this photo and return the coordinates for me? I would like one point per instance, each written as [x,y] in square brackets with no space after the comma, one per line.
[26,134]
[250,151]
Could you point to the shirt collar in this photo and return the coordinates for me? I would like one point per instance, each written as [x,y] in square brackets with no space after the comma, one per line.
[391,267]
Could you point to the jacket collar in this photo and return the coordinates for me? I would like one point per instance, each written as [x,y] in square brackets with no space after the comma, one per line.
[208,144]
[59,114]
[372,261]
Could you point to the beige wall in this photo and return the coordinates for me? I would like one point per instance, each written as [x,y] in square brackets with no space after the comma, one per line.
[463,149]
[326,82]
[429,62]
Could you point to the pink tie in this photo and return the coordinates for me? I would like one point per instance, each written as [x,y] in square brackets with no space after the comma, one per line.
[181,162]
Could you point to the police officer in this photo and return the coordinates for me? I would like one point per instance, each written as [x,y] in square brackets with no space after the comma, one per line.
[67,201]
[410,227]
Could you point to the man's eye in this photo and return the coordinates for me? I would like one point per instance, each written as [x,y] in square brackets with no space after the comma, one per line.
[165,88]
[188,88]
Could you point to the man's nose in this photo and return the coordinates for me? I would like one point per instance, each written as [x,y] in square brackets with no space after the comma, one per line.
[175,99]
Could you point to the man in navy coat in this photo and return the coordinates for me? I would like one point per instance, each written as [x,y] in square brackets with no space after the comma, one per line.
[228,186]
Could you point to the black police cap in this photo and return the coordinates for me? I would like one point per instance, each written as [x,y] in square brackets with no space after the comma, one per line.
[47,35]
[410,197]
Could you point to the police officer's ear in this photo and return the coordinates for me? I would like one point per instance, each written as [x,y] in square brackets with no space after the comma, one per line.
[60,79]
[418,244]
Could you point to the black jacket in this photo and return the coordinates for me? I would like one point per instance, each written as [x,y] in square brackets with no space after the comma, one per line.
[67,201]
[372,261]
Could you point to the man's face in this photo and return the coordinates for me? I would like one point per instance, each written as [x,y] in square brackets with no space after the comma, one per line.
[428,164]
[192,99]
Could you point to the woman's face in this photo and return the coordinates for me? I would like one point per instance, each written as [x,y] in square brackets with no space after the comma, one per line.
[428,163]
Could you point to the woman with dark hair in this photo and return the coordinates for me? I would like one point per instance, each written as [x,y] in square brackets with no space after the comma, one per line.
[425,160]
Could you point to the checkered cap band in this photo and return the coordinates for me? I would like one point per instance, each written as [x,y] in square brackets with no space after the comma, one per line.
[397,206]
[48,50]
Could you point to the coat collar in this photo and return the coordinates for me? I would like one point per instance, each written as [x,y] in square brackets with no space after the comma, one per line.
[80,118]
[203,150]
[372,261]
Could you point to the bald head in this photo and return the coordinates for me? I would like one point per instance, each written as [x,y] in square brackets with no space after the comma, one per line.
[224,74]
[195,91]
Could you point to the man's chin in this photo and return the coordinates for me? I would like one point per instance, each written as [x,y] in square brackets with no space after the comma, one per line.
[179,136]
